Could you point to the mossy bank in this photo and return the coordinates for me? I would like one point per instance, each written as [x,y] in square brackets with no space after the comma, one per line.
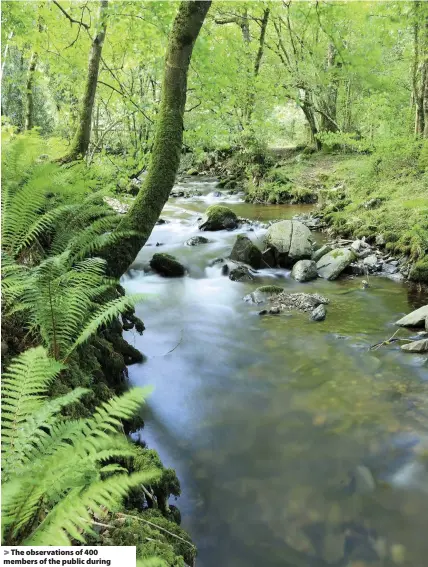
[382,196]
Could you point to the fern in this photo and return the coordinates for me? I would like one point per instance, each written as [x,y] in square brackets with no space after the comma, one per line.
[53,470]
[105,315]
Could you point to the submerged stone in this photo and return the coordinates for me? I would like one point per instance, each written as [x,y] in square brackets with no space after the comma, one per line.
[167,266]
[241,274]
[319,314]
[416,346]
[196,240]
[415,318]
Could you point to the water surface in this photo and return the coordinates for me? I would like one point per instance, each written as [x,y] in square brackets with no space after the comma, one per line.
[272,422]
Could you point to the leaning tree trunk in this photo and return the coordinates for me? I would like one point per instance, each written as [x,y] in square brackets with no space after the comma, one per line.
[308,111]
[29,108]
[80,142]
[165,159]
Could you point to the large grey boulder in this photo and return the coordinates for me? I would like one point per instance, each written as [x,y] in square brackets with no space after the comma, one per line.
[167,266]
[331,265]
[304,271]
[416,346]
[415,318]
[247,252]
[218,217]
[291,241]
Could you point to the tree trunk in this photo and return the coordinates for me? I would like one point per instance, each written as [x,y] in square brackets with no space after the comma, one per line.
[308,111]
[168,140]
[257,63]
[29,109]
[420,69]
[6,51]
[329,104]
[80,142]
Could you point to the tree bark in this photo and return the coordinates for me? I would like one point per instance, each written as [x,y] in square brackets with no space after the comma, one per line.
[329,104]
[165,159]
[420,68]
[29,109]
[257,63]
[308,111]
[80,142]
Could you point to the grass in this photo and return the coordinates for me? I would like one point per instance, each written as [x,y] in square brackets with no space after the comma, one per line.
[383,196]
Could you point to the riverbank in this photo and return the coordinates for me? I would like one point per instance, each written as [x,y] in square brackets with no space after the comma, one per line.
[382,197]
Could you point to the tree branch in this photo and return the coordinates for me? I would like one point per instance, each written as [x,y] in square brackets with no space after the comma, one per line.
[69,18]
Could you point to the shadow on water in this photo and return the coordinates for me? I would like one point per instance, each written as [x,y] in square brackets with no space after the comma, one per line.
[295,445]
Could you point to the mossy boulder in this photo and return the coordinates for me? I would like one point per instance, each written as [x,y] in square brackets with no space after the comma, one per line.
[218,217]
[247,252]
[291,241]
[167,266]
[331,265]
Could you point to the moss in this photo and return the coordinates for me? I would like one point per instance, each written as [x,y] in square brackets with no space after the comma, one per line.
[276,192]
[218,212]
[139,528]
[167,266]
[419,271]
[270,289]
[219,217]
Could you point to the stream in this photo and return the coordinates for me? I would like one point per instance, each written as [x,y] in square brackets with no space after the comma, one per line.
[294,444]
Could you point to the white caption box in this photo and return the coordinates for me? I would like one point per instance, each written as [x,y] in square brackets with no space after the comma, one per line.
[72,555]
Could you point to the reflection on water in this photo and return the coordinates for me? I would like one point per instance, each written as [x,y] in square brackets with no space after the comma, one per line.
[294,444]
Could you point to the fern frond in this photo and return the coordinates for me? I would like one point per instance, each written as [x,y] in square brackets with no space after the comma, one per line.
[105,315]
[41,427]
[42,224]
[72,516]
[24,386]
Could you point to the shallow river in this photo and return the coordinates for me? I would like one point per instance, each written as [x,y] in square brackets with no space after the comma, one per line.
[295,445]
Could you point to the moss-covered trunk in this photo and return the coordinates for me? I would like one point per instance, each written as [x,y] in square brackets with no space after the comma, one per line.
[29,108]
[80,143]
[168,140]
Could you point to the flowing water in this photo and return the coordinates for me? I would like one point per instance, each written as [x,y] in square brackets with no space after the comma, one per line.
[295,445]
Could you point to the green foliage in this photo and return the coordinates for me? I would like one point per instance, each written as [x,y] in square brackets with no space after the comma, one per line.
[54,471]
[346,141]
[419,271]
